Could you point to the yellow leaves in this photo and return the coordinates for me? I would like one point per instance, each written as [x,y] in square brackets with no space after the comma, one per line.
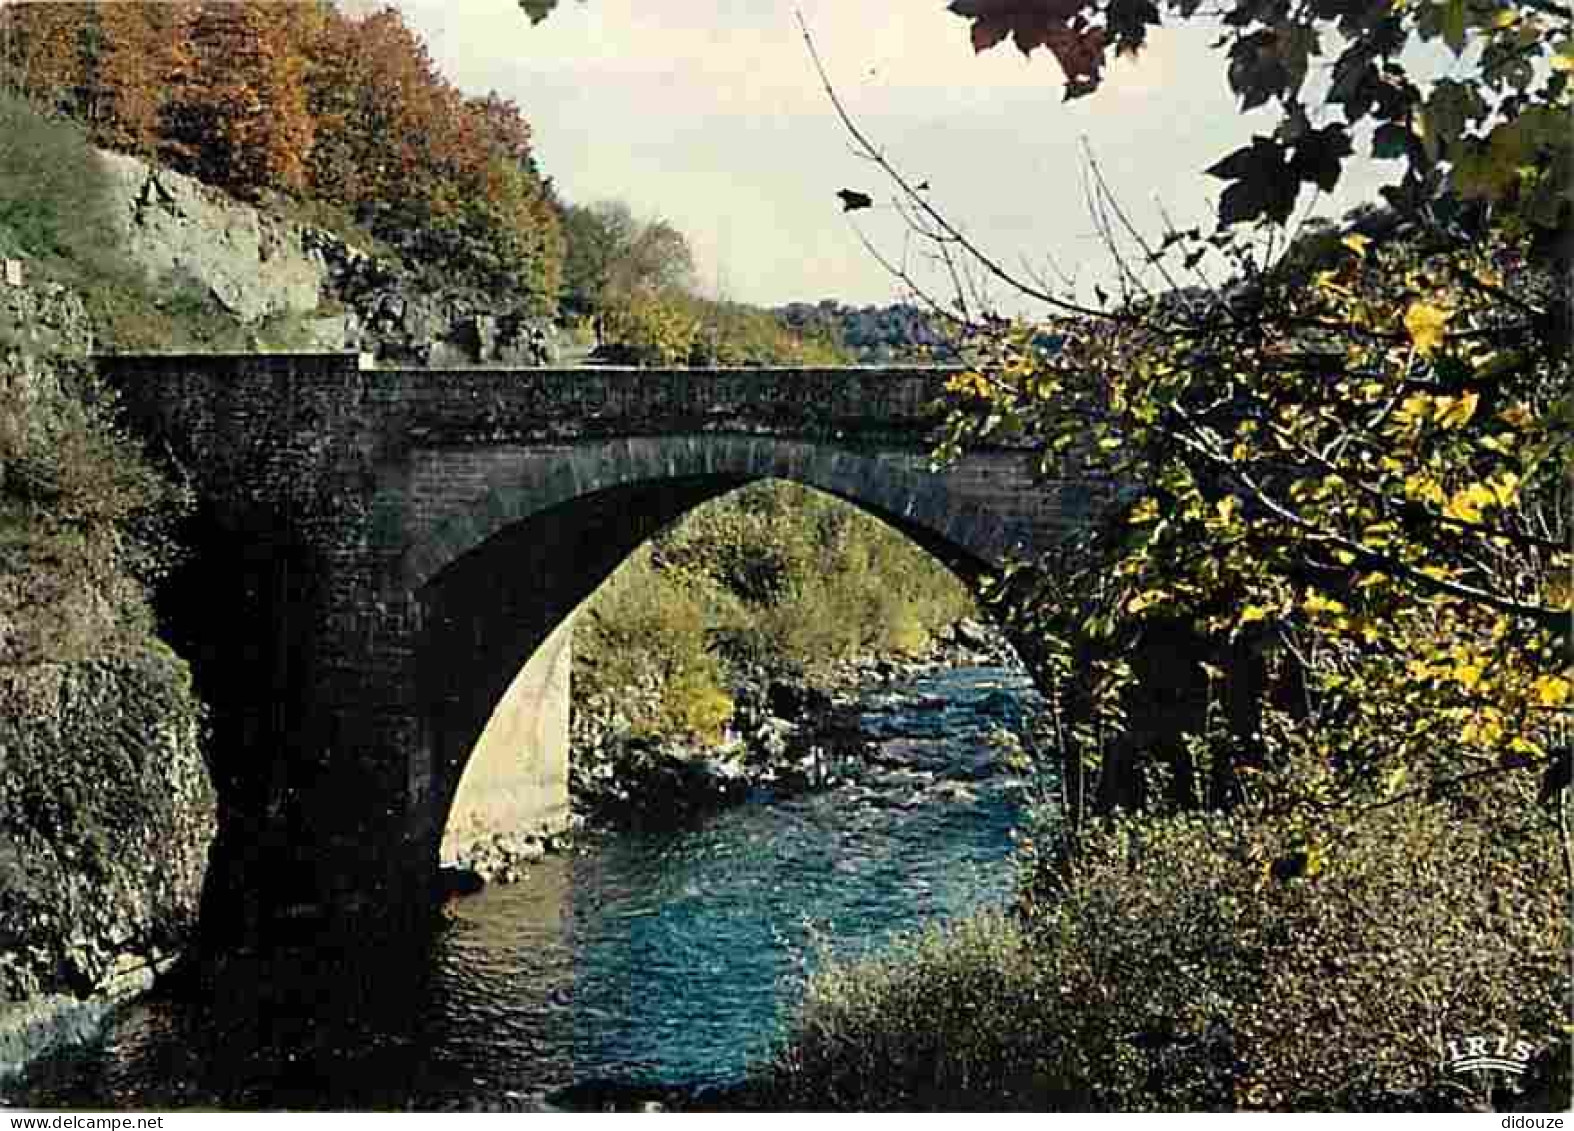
[1469,673]
[1484,730]
[1227,508]
[1253,613]
[1472,501]
[1488,276]
[1517,415]
[1422,485]
[1316,605]
[1395,780]
[1379,534]
[1357,243]
[1552,691]
[1562,56]
[1329,281]
[1455,412]
[1146,599]
[1425,324]
[971,384]
[1505,488]
[1411,415]
[1146,510]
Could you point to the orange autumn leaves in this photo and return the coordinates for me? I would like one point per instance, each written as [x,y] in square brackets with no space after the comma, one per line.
[1062,26]
[299,98]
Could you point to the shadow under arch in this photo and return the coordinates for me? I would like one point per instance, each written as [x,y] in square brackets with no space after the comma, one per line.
[495,583]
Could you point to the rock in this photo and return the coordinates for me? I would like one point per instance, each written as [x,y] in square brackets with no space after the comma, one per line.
[502,858]
[971,634]
[182,232]
[793,700]
[614,1095]
[106,819]
[188,237]
[954,792]
[771,737]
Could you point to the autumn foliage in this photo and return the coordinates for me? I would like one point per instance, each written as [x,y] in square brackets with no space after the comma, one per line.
[303,99]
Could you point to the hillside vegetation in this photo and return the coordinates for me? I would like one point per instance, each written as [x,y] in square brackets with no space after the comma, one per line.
[346,112]
[84,519]
[775,577]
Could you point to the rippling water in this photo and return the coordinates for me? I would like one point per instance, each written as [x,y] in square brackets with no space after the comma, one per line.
[653,957]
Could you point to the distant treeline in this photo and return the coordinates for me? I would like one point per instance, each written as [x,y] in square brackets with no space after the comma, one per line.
[872,335]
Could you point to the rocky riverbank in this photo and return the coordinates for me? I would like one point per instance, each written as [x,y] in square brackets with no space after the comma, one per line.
[788,733]
[106,814]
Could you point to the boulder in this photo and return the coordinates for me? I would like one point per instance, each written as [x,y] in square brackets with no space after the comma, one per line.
[187,236]
[795,701]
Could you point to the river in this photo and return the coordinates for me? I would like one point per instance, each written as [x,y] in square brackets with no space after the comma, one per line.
[646,957]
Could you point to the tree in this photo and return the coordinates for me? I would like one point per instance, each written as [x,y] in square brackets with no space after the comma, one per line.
[613,256]
[144,56]
[242,120]
[48,51]
[630,275]
[597,236]
[1502,131]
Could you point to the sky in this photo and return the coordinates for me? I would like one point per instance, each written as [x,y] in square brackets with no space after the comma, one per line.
[710,115]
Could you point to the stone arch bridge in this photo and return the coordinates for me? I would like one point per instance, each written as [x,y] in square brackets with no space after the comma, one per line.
[386,560]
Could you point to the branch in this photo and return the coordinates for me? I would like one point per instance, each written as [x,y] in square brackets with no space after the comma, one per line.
[1433,789]
[1408,508]
[872,152]
[1552,619]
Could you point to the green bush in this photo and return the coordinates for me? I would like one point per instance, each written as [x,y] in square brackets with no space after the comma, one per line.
[774,575]
[1203,962]
[642,645]
[84,526]
[54,199]
[946,1017]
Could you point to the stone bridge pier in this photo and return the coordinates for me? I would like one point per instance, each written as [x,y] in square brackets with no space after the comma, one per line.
[383,563]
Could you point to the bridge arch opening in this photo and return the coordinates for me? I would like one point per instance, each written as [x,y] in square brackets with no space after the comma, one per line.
[496,649]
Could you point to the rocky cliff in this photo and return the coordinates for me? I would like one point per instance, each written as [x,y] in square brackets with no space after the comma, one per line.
[259,267]
[106,814]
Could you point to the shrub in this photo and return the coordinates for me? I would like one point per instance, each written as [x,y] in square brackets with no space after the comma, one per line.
[817,580]
[54,199]
[947,1016]
[646,630]
[84,526]
[1207,962]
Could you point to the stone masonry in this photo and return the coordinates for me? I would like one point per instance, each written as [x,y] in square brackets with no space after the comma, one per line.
[380,553]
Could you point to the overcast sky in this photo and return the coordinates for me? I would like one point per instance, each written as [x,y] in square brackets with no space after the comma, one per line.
[710,116]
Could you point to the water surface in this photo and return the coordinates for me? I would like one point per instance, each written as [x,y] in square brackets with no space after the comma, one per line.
[662,957]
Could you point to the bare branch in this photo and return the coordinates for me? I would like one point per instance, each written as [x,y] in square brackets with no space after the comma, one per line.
[873,153]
